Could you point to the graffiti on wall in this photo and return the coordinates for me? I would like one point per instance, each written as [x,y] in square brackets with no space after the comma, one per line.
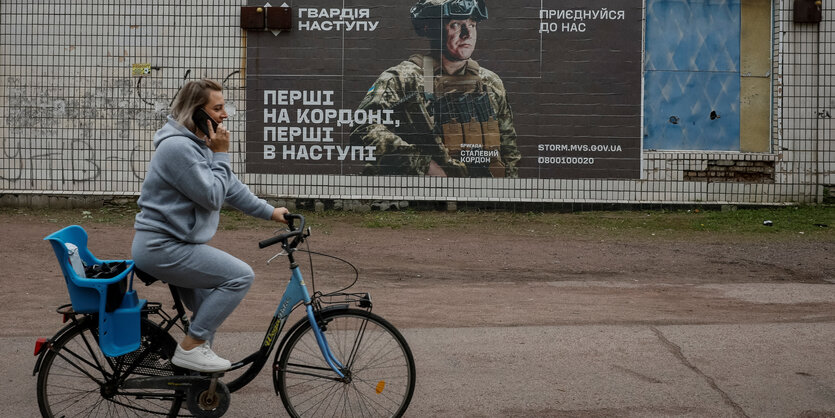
[57,138]
[61,137]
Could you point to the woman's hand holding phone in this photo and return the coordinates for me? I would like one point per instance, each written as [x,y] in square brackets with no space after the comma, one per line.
[218,139]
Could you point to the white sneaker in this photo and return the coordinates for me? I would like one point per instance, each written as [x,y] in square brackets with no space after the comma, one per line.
[200,358]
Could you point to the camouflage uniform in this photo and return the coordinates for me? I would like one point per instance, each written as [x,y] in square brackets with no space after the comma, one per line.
[408,148]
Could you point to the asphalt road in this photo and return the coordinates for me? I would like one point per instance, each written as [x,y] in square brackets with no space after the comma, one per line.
[763,368]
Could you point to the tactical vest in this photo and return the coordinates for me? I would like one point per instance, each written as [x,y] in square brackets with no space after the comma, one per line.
[464,117]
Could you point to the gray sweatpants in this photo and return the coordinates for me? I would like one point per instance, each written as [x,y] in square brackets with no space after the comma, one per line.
[211,282]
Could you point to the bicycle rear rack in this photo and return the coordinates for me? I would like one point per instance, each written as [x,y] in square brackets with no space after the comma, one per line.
[68,311]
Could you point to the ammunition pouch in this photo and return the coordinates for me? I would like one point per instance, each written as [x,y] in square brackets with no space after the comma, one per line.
[472,132]
[492,136]
[453,137]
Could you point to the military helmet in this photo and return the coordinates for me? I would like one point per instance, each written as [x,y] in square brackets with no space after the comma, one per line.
[426,10]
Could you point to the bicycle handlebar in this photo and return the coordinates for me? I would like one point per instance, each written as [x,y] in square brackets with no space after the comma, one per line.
[294,232]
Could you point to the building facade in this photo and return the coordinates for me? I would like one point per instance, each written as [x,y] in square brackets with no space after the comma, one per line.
[633,102]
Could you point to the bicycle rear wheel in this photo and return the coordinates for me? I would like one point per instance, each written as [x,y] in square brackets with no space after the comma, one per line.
[377,360]
[76,379]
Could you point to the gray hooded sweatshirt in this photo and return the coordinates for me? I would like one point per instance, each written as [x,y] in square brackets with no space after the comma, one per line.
[186,186]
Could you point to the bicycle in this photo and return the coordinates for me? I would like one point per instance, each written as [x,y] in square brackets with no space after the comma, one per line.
[339,360]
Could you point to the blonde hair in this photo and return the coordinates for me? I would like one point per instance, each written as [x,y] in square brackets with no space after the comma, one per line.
[193,96]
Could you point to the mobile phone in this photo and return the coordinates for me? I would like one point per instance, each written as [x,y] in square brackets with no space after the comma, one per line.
[201,119]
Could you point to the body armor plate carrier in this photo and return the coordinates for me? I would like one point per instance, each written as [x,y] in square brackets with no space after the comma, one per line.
[464,117]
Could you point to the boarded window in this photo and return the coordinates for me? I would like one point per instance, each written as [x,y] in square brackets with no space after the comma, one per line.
[692,79]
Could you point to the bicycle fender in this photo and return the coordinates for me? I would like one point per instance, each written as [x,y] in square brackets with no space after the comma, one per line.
[300,323]
[281,345]
[40,357]
[48,345]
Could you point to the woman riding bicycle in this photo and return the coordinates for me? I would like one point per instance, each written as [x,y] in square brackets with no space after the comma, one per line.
[188,181]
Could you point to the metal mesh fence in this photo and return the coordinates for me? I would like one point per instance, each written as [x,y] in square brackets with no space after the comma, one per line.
[74,118]
[84,86]
[803,138]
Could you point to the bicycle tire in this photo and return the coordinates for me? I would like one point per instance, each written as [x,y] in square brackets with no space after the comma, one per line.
[76,379]
[375,355]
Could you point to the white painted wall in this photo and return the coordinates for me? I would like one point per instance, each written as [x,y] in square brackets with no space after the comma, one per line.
[75,121]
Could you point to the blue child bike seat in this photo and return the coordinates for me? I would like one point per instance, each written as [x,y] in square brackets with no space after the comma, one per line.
[119,329]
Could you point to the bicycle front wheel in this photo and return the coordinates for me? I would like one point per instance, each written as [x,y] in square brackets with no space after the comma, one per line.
[77,380]
[378,365]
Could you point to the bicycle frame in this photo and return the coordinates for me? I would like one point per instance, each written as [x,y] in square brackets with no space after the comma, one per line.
[204,390]
[296,293]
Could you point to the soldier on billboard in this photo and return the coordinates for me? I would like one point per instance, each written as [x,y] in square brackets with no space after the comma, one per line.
[453,115]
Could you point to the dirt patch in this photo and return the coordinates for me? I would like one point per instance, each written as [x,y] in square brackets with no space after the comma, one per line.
[477,277]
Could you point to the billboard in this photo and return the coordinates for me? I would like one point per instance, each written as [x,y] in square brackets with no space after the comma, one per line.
[518,88]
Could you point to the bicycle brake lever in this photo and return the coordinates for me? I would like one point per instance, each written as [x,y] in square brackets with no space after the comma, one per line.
[276,256]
